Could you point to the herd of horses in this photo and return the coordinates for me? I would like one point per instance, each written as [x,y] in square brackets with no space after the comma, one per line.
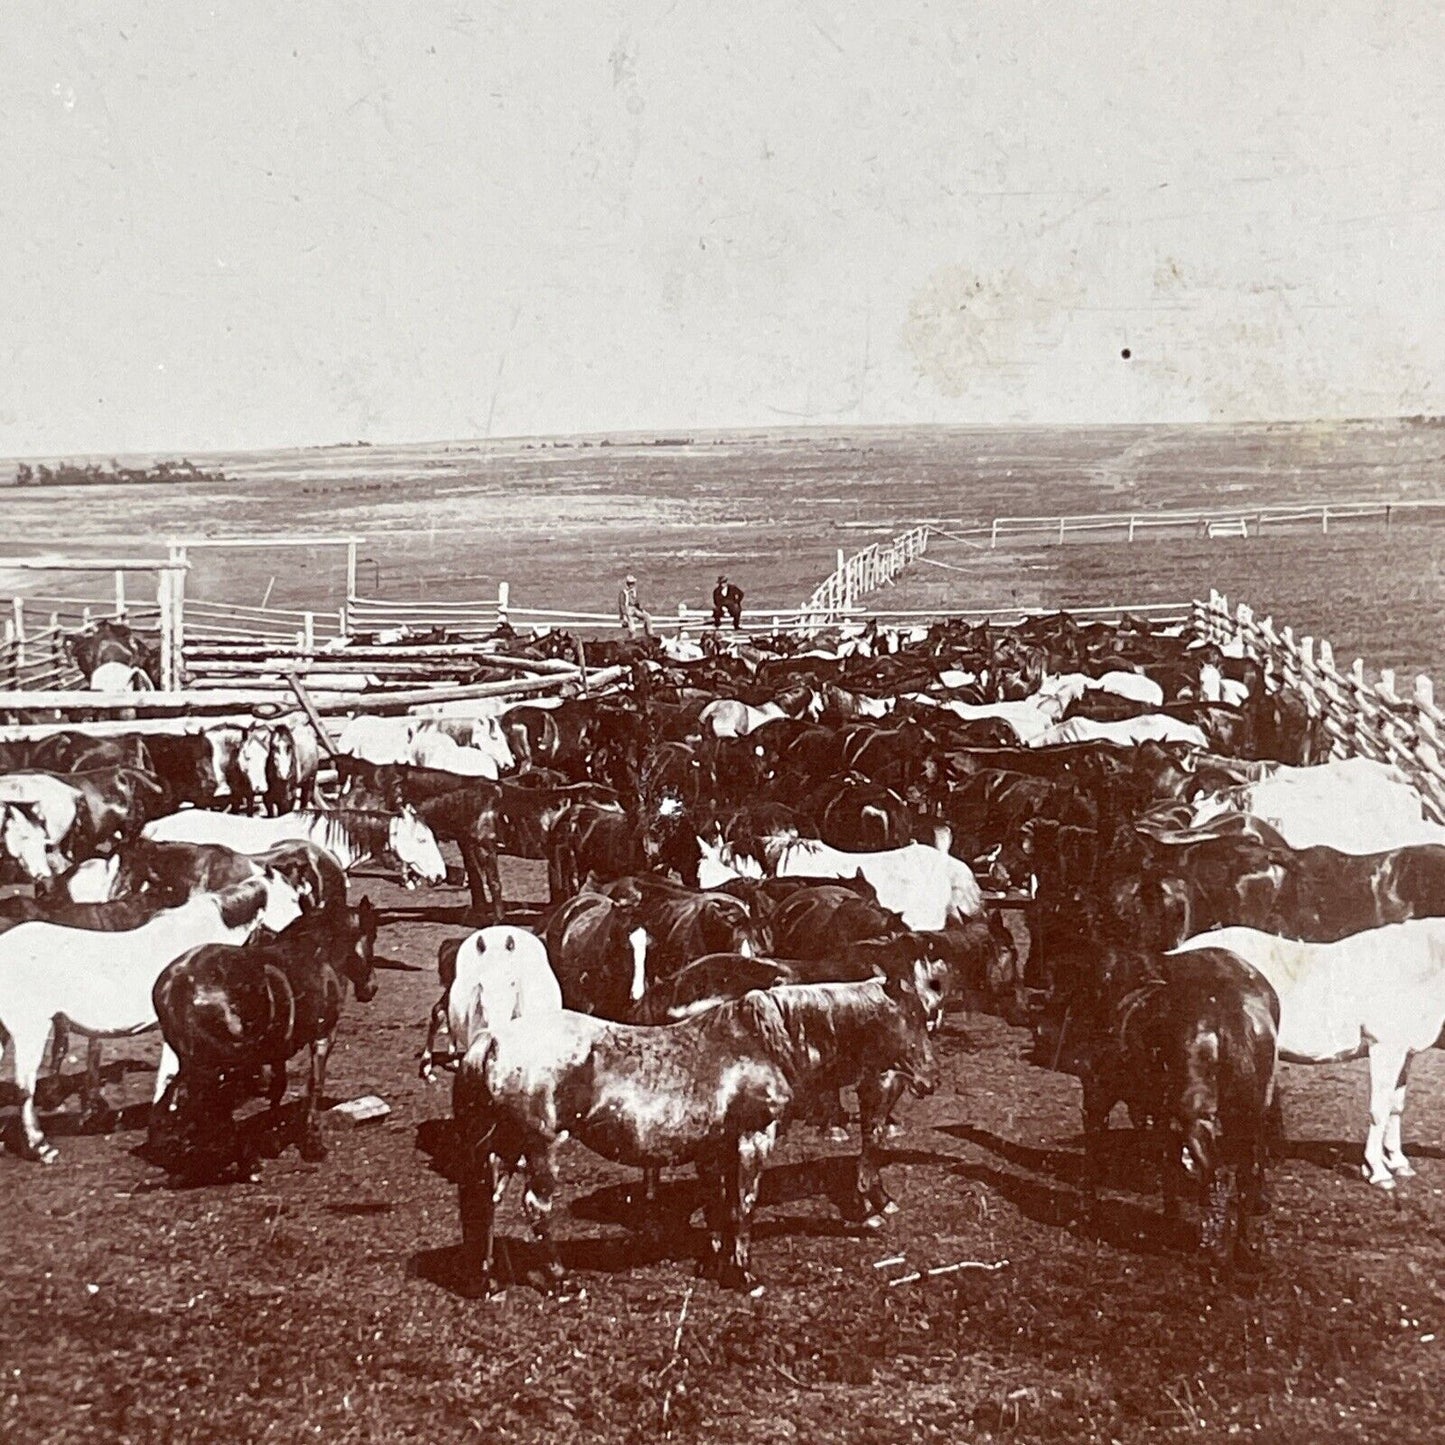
[771,866]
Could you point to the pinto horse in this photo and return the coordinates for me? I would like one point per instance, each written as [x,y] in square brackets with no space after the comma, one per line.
[226,1010]
[113,642]
[711,1091]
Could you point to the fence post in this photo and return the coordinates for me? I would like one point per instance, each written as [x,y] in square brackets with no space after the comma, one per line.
[308,635]
[18,609]
[504,597]
[351,569]
[119,595]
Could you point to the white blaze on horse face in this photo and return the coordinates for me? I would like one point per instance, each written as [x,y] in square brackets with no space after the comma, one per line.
[638,939]
[670,806]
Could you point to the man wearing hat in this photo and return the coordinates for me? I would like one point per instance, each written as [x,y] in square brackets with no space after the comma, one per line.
[630,610]
[727,597]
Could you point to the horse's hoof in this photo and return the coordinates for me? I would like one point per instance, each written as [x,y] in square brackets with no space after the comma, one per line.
[1387,1182]
[890,1206]
[1403,1170]
[871,1222]
[45,1154]
[313,1148]
[893,1131]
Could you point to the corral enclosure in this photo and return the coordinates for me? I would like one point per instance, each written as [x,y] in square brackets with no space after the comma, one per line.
[322,1302]
[560,520]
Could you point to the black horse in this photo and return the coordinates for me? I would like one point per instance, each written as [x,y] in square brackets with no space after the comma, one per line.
[226,1011]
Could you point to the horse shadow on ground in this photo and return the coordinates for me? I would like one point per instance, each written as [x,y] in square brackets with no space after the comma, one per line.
[208,1156]
[463,915]
[671,1235]
[1341,1156]
[1127,1162]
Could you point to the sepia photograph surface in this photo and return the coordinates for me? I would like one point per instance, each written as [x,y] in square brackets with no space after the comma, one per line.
[717,721]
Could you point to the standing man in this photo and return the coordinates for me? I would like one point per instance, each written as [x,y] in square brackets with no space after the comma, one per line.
[727,597]
[630,611]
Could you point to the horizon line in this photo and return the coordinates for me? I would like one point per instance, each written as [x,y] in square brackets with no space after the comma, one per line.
[684,436]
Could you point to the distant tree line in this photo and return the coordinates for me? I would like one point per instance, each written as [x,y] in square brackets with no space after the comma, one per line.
[69,474]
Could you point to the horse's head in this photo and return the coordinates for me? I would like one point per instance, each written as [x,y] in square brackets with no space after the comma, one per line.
[360,964]
[416,849]
[907,1045]
[23,838]
[251,756]
[281,770]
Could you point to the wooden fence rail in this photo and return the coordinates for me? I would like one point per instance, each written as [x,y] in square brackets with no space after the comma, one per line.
[864,572]
[1362,718]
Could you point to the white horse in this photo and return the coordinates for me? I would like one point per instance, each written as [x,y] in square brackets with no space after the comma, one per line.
[431,748]
[350,835]
[1151,727]
[927,887]
[1355,805]
[490,976]
[728,717]
[1133,685]
[1029,717]
[1380,993]
[101,983]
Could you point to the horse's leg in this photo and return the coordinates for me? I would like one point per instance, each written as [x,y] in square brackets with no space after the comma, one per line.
[746,1177]
[714,1209]
[93,1106]
[494,883]
[478,1194]
[476,879]
[59,1044]
[313,1145]
[29,1049]
[832,1116]
[434,1025]
[538,1201]
[1387,1072]
[1097,1106]
[276,1090]
[877,1094]
[1395,1160]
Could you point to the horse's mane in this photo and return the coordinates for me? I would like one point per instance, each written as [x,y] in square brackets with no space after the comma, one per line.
[363,828]
[793,1020]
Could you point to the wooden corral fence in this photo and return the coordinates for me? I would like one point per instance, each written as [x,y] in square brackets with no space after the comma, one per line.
[1362,718]
[865,571]
[1242,521]
[33,655]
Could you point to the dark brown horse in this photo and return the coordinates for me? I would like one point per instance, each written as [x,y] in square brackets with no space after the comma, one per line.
[227,1011]
[711,1091]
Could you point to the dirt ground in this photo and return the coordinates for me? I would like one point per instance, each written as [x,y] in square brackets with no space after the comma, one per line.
[323,1302]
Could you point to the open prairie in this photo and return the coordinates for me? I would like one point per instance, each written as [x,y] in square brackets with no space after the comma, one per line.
[560,520]
[324,1303]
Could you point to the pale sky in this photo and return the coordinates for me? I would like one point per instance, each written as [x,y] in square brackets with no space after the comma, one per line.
[270,223]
